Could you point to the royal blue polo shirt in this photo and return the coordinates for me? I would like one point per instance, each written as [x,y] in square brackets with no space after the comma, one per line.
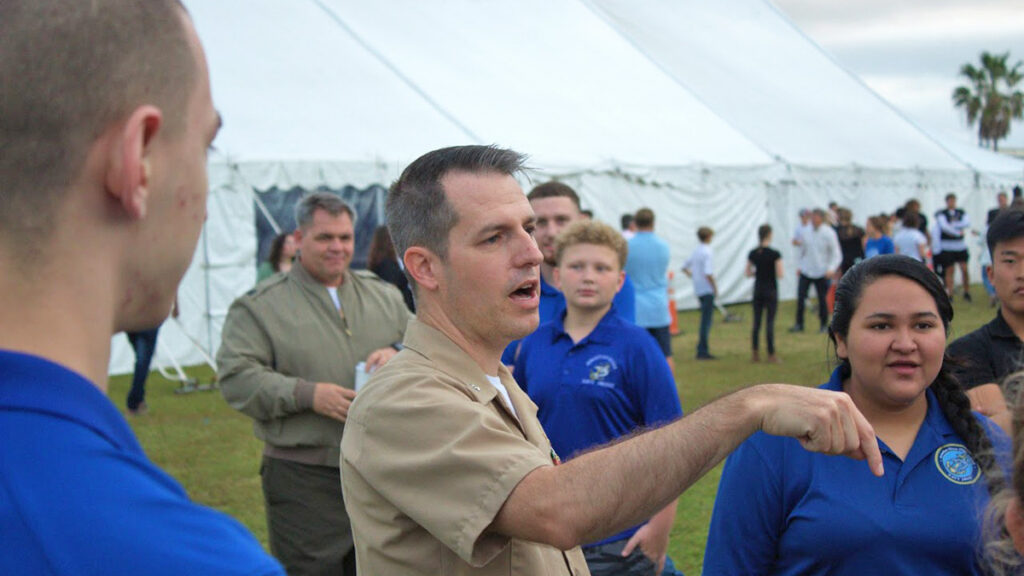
[783,510]
[552,305]
[78,495]
[607,385]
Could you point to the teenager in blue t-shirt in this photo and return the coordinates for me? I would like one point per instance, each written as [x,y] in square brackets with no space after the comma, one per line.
[596,377]
[780,510]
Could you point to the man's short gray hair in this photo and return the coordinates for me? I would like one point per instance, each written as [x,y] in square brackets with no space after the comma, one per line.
[325,201]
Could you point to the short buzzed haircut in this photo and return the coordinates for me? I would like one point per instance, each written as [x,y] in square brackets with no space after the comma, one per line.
[763,232]
[325,201]
[71,69]
[644,218]
[950,196]
[704,233]
[592,232]
[418,211]
[554,189]
[1008,225]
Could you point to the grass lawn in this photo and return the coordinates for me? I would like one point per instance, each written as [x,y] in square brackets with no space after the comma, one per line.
[210,448]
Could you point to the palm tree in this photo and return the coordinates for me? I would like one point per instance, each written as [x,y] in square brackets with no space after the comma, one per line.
[990,97]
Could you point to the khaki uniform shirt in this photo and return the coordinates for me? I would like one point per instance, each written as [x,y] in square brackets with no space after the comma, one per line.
[430,455]
[286,335]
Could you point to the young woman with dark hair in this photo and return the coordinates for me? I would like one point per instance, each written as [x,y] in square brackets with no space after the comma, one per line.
[782,511]
[280,258]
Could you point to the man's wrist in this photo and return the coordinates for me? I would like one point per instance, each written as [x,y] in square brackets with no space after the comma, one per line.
[752,407]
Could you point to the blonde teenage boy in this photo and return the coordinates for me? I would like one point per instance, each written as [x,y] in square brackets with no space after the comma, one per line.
[596,377]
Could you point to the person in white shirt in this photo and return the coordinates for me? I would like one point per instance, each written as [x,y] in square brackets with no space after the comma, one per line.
[819,260]
[700,266]
[798,236]
[909,240]
[953,223]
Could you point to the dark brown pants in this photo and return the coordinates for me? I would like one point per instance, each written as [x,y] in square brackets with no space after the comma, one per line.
[307,523]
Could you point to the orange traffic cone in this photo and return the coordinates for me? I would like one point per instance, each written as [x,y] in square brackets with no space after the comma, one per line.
[673,327]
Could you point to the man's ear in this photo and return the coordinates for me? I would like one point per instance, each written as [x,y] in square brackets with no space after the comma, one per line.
[556,277]
[423,266]
[129,164]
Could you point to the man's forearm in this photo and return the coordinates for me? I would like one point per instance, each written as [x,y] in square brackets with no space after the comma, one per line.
[612,488]
[620,485]
[638,477]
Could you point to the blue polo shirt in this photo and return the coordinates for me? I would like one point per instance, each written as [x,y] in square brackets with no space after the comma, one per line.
[78,496]
[783,510]
[552,305]
[607,385]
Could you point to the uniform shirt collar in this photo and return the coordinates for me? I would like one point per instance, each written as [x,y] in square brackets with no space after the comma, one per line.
[299,273]
[452,360]
[603,333]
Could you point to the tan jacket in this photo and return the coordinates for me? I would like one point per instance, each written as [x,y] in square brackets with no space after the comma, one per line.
[430,455]
[284,336]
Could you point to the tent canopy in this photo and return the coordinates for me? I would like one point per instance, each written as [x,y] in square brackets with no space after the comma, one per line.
[711,113]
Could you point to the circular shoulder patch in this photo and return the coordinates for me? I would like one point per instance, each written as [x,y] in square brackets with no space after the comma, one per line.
[954,461]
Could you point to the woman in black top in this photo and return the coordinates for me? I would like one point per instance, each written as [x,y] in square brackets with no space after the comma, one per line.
[764,264]
[851,239]
[383,262]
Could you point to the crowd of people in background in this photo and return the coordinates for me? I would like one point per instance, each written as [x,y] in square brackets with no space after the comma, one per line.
[600,366]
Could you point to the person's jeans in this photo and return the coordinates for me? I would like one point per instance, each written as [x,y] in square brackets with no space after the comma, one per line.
[765,301]
[144,344]
[707,308]
[821,290]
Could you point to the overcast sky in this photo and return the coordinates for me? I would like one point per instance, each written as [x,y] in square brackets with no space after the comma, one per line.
[910,51]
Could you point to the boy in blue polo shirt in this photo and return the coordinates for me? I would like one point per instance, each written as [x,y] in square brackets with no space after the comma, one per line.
[596,377]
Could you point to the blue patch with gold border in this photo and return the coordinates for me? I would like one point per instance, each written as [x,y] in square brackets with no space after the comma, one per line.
[955,462]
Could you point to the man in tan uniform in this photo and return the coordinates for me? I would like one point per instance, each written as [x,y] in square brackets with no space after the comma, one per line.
[288,359]
[446,470]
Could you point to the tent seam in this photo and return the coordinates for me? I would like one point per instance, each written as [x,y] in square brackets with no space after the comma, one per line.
[397,72]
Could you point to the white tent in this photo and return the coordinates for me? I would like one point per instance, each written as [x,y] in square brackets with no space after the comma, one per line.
[711,113]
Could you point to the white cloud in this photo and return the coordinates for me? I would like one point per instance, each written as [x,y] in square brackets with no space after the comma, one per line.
[910,51]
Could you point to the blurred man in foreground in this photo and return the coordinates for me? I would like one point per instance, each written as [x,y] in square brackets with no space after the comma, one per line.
[105,120]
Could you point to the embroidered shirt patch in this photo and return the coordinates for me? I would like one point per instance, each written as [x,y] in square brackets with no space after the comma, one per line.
[954,461]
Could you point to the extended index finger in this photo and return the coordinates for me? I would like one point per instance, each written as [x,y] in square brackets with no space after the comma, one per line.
[869,443]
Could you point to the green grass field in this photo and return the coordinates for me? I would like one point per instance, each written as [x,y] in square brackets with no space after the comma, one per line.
[210,448]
